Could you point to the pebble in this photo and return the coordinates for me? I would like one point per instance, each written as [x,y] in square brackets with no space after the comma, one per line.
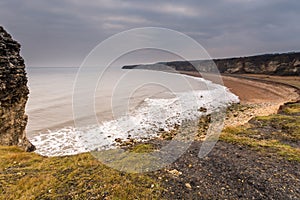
[188,185]
[119,140]
[175,172]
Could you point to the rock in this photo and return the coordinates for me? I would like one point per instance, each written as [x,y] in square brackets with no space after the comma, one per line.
[13,94]
[202,109]
[188,186]
[297,63]
[118,140]
[175,172]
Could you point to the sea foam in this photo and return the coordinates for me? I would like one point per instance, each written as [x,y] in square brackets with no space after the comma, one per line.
[143,123]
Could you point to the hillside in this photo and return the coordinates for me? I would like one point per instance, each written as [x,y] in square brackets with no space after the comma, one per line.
[286,64]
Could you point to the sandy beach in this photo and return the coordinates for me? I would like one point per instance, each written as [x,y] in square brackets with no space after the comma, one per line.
[257,90]
[260,96]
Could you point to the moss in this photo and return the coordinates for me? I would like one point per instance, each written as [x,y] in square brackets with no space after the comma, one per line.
[30,176]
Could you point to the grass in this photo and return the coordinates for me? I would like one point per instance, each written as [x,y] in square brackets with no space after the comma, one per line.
[234,136]
[135,159]
[291,109]
[143,148]
[278,133]
[30,176]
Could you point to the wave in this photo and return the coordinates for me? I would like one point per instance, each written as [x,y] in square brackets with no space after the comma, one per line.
[145,122]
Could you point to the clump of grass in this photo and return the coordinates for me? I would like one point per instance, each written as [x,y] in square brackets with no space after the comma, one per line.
[291,109]
[269,146]
[30,176]
[285,126]
[138,158]
[143,148]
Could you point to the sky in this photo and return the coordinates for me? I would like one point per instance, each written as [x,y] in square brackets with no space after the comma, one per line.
[56,33]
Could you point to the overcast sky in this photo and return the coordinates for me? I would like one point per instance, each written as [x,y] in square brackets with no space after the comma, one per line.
[62,32]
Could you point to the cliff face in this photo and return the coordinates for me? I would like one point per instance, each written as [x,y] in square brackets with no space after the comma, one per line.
[13,94]
[272,64]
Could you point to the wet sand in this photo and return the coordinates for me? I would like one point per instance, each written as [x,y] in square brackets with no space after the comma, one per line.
[257,90]
[261,97]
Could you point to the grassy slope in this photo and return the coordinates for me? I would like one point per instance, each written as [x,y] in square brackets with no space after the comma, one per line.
[29,176]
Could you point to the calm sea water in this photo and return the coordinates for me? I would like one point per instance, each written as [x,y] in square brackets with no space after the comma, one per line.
[70,113]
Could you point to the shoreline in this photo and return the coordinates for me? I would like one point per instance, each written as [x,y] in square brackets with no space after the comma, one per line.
[258,97]
[237,113]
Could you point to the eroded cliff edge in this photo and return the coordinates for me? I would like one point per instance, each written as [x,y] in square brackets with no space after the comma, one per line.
[13,94]
[285,64]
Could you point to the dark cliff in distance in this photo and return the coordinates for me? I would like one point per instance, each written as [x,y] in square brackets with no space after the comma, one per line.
[13,94]
[287,64]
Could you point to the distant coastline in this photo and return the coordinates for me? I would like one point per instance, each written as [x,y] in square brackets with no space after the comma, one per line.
[284,64]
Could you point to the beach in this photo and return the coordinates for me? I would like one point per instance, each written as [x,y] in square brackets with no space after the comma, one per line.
[261,96]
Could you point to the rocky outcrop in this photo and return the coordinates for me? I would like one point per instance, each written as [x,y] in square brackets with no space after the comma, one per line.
[287,64]
[13,94]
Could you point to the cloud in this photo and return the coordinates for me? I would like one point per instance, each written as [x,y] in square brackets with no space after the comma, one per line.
[127,19]
[110,26]
[68,29]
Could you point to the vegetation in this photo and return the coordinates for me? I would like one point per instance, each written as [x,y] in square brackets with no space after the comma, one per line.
[135,158]
[30,176]
[278,133]
[143,148]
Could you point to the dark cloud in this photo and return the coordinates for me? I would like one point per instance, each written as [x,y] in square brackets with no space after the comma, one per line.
[62,32]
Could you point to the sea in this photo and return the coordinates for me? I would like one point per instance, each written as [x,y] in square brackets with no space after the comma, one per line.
[71,111]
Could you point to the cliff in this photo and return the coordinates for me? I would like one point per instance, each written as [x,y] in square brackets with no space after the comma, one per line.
[13,94]
[287,64]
